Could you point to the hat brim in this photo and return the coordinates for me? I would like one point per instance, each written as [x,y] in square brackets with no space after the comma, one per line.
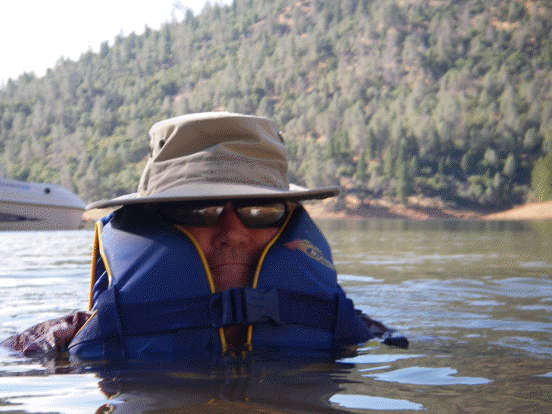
[193,192]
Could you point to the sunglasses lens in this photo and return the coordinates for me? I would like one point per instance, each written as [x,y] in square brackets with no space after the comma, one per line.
[253,216]
[192,217]
[262,216]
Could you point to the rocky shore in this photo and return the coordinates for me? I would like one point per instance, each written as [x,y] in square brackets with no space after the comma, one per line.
[419,211]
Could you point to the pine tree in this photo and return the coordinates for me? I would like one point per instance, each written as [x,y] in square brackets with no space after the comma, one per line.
[388,162]
[361,165]
[541,179]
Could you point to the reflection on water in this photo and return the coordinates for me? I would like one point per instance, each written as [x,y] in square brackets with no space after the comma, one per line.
[56,393]
[427,376]
[365,402]
[474,298]
[42,275]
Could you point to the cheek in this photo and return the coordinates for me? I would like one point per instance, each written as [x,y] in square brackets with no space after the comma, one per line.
[204,237]
[256,239]
[264,236]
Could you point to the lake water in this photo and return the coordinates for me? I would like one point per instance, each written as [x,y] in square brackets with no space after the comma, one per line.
[474,299]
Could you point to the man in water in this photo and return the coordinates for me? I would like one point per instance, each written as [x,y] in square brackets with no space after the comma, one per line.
[221,180]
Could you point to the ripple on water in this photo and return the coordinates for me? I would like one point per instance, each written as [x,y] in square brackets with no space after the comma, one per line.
[427,376]
[365,402]
[73,394]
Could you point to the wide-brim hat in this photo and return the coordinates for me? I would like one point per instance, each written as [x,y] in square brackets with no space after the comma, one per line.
[216,156]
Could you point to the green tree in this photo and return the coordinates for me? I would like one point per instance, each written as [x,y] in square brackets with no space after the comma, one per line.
[541,179]
[361,165]
[510,166]
[439,75]
[388,162]
[469,162]
[339,146]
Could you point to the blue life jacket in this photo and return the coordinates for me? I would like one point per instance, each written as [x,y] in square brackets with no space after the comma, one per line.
[151,294]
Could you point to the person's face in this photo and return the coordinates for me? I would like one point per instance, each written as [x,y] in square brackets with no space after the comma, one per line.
[231,249]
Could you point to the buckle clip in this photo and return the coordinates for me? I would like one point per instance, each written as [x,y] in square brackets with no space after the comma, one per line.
[244,306]
[262,306]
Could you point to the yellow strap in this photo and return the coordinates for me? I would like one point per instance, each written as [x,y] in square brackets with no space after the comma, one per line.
[98,250]
[201,256]
[223,343]
[291,208]
[222,336]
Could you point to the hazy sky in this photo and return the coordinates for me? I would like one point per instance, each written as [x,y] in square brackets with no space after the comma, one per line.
[34,34]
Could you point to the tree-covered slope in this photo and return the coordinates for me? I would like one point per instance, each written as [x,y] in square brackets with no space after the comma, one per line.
[443,98]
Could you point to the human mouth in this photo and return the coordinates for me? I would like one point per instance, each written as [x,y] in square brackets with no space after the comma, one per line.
[231,275]
[231,263]
[232,269]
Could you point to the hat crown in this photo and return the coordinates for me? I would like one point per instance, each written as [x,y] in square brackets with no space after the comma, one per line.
[215,156]
[214,147]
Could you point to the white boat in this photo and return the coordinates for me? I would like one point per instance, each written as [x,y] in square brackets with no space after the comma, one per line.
[36,206]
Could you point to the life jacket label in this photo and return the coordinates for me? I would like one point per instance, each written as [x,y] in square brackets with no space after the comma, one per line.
[310,250]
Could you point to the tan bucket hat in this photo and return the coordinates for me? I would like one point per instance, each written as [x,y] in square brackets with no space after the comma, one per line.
[215,156]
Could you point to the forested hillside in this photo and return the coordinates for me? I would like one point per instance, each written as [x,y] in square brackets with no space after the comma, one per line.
[449,99]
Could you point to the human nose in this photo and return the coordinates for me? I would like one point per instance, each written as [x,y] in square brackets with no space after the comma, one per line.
[231,231]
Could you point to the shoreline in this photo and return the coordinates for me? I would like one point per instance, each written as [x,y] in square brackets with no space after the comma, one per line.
[381,209]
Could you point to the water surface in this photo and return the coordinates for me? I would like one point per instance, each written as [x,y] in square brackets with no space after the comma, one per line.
[474,298]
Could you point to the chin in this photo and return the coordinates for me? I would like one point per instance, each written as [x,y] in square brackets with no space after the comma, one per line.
[232,276]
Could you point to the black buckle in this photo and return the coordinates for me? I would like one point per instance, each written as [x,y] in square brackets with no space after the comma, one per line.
[262,306]
[244,306]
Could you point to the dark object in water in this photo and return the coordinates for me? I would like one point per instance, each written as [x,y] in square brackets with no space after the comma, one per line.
[390,336]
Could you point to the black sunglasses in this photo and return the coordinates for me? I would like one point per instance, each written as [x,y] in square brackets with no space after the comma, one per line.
[252,214]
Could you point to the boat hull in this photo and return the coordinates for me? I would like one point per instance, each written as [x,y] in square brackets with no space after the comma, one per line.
[38,217]
[38,206]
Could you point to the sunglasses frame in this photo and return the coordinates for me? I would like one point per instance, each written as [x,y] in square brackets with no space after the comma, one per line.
[237,204]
